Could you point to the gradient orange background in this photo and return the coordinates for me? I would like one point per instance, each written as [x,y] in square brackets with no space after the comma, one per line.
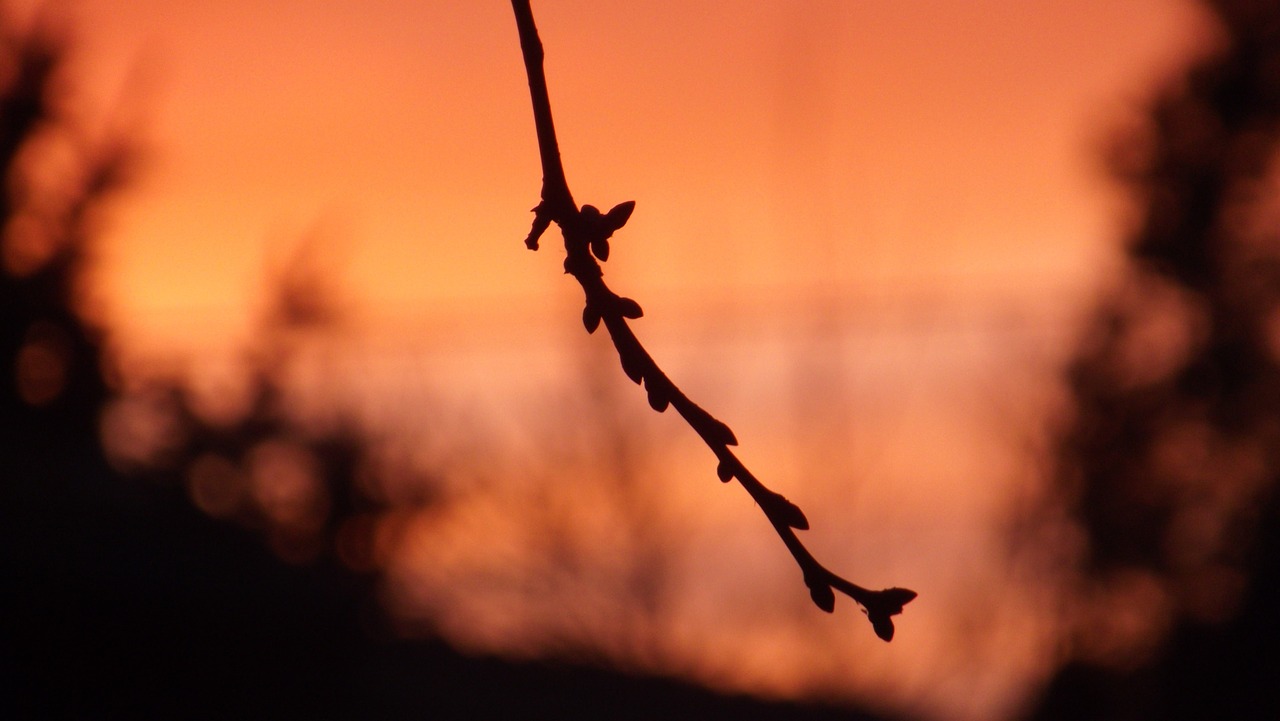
[906,195]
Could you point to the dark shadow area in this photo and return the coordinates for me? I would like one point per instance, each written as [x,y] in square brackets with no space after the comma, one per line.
[1169,461]
[119,598]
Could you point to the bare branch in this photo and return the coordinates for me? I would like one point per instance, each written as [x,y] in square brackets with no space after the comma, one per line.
[586,233]
[556,199]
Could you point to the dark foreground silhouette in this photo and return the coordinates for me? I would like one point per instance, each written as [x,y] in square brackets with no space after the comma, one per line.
[123,603]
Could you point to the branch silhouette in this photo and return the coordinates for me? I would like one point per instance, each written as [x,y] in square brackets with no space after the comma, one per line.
[586,232]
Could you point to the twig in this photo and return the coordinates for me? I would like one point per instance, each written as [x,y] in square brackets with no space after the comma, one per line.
[586,233]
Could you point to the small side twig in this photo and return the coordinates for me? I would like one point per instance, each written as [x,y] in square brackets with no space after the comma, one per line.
[586,233]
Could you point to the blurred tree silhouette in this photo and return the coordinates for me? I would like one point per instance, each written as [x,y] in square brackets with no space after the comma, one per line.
[44,243]
[304,481]
[51,379]
[1169,460]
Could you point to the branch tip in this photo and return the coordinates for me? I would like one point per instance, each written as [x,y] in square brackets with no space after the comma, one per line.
[881,606]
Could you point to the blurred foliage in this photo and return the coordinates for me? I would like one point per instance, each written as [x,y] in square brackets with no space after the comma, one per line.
[1169,459]
[248,453]
[56,179]
[560,548]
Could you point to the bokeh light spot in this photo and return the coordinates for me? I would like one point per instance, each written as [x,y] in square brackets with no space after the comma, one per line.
[216,486]
[42,364]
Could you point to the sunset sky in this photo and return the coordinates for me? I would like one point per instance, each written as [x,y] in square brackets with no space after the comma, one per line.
[918,182]
[868,144]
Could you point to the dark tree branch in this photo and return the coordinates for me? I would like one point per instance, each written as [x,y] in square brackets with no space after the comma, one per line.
[586,233]
[556,202]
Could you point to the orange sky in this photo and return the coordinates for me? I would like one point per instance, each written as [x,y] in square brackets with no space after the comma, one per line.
[934,158]
[853,142]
